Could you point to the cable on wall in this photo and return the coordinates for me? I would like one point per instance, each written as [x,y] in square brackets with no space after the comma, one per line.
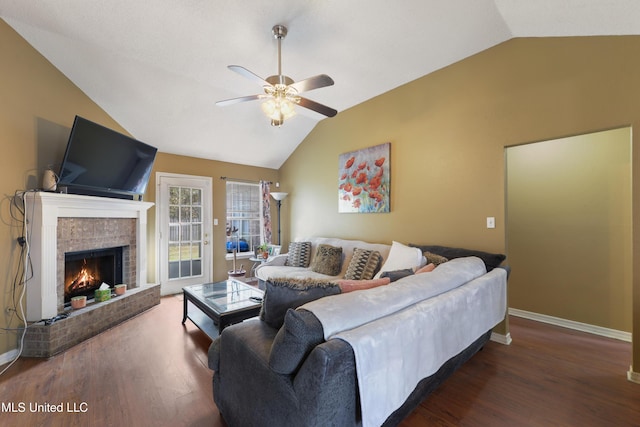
[24,270]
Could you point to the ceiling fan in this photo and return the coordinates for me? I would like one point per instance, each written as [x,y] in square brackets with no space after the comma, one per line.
[280,91]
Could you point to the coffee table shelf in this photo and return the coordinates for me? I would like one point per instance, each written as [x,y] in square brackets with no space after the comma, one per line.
[214,306]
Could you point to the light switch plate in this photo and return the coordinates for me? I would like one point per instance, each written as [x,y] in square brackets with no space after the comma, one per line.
[491,222]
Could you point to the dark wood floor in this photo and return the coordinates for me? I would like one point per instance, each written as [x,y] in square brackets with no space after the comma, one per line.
[152,371]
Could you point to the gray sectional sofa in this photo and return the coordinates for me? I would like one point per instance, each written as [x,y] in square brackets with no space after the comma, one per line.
[306,367]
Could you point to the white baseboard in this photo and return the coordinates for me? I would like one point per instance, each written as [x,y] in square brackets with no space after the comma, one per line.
[570,324]
[8,356]
[634,377]
[500,338]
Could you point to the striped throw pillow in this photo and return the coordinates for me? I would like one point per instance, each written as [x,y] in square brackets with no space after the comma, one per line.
[299,254]
[363,264]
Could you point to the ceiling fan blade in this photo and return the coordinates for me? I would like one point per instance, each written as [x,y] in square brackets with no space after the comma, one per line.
[315,82]
[237,100]
[318,108]
[248,74]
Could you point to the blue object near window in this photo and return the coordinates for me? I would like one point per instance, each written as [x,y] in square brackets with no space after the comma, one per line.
[243,246]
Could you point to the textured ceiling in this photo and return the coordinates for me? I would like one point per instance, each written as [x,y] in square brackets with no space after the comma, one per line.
[158,66]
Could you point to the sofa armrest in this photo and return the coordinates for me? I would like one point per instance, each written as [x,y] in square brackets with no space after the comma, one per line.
[507,268]
[279,260]
[214,355]
[327,387]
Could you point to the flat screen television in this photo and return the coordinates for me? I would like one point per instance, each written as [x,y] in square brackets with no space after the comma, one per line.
[99,161]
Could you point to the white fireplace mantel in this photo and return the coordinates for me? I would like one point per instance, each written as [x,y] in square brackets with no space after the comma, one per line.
[42,211]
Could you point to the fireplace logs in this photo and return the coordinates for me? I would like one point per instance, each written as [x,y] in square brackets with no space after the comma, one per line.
[83,281]
[85,271]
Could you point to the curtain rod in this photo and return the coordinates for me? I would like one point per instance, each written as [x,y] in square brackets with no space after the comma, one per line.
[224,178]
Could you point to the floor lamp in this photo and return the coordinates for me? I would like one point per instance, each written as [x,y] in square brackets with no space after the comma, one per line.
[279,197]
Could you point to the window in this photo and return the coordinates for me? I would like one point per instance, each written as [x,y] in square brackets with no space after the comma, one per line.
[244,213]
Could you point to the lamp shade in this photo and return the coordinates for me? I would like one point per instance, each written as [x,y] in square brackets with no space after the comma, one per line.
[279,196]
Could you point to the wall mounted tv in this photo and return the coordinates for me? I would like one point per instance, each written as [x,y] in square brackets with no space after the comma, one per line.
[102,162]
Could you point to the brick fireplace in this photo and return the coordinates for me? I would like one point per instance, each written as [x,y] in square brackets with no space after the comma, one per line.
[60,224]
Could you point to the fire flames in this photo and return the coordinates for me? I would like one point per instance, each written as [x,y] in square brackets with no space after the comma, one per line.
[83,281]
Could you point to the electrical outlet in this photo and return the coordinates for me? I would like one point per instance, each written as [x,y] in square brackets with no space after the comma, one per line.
[491,222]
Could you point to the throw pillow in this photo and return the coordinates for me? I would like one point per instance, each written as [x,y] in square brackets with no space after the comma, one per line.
[327,260]
[397,274]
[491,260]
[426,269]
[301,333]
[434,258]
[283,294]
[358,285]
[299,254]
[401,257]
[363,264]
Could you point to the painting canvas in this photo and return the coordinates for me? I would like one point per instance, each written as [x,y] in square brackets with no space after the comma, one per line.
[364,180]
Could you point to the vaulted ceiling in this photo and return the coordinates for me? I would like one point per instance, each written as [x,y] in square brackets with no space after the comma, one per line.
[158,66]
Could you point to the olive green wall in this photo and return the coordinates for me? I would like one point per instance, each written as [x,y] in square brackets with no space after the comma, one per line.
[448,131]
[37,108]
[207,168]
[569,204]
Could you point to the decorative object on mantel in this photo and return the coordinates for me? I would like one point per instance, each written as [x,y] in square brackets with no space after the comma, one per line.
[279,197]
[120,289]
[103,293]
[78,302]
[49,180]
[364,180]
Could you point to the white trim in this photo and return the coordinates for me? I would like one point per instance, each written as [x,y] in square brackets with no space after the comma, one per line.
[634,377]
[8,356]
[501,339]
[570,324]
[42,211]
[239,255]
[163,181]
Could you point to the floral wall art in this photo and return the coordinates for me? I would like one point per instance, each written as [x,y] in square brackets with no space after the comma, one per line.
[364,180]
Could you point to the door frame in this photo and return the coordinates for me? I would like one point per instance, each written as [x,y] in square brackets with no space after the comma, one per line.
[161,218]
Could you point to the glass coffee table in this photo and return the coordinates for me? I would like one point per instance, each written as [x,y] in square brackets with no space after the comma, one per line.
[218,305]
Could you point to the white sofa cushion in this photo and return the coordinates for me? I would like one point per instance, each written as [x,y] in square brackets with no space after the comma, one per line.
[401,257]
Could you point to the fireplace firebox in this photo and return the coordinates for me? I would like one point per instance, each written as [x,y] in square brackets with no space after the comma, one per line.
[85,271]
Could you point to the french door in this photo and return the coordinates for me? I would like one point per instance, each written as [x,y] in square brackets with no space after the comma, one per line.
[183,219]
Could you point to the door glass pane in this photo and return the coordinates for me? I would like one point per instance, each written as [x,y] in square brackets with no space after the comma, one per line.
[196,231]
[196,214]
[196,197]
[185,214]
[174,214]
[185,232]
[174,194]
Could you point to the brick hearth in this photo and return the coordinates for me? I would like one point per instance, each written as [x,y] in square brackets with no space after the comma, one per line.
[48,340]
[61,223]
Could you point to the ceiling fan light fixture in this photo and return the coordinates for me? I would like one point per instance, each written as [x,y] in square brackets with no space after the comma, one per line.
[278,109]
[281,91]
